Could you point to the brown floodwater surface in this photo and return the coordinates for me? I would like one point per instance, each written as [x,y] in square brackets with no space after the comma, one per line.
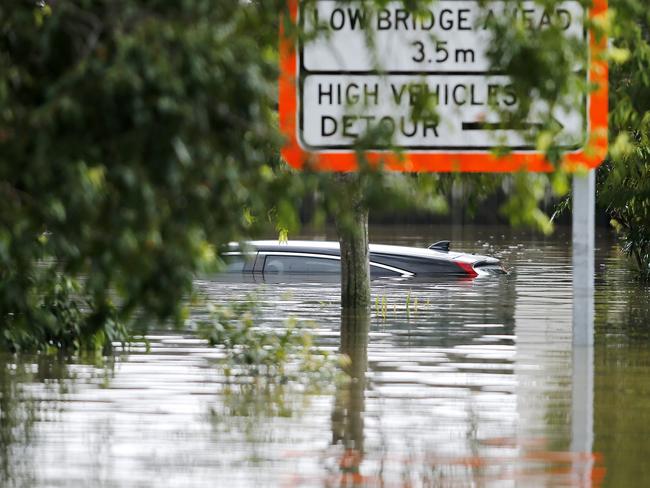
[457,383]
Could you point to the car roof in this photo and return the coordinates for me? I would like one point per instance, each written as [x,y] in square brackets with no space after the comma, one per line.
[332,247]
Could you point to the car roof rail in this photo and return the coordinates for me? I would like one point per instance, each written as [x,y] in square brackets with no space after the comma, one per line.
[440,246]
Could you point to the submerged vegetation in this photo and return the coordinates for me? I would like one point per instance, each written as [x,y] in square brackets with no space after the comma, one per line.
[250,349]
[268,372]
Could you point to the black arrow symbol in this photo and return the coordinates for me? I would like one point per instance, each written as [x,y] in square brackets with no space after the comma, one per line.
[509,125]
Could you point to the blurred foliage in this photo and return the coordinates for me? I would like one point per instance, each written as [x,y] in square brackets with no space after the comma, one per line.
[135,138]
[139,137]
[624,179]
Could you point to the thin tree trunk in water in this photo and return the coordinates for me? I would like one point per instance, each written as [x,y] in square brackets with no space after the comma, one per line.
[352,228]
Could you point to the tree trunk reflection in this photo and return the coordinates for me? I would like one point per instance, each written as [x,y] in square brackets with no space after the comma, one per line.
[349,406]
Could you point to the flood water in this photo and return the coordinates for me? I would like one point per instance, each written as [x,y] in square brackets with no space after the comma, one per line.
[460,383]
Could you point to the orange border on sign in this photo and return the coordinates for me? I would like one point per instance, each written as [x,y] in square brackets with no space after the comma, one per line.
[590,156]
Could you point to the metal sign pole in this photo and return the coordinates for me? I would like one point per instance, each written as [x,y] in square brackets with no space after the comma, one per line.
[584,195]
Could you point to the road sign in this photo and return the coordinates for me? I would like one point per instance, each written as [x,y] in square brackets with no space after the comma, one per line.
[335,89]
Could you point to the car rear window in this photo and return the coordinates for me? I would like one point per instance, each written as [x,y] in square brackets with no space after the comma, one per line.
[236,262]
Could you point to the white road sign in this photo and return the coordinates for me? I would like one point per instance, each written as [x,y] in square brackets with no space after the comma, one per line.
[347,87]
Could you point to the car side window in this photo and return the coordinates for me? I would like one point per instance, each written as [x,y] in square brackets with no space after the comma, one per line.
[301,265]
[378,271]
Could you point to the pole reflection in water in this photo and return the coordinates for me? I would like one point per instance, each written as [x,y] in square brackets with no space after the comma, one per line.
[582,412]
[349,402]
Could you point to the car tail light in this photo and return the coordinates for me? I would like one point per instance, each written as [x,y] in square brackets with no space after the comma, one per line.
[467,268]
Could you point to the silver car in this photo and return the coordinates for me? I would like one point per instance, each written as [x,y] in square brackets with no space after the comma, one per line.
[313,258]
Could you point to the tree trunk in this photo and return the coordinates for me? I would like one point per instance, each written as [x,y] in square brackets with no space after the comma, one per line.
[352,228]
[348,414]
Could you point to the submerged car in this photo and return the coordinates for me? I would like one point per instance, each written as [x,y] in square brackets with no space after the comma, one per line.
[315,258]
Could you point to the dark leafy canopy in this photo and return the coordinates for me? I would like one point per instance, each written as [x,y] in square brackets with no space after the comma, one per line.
[134,136]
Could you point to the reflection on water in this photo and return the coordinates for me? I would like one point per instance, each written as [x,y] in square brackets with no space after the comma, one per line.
[458,383]
[31,391]
[349,401]
[17,417]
